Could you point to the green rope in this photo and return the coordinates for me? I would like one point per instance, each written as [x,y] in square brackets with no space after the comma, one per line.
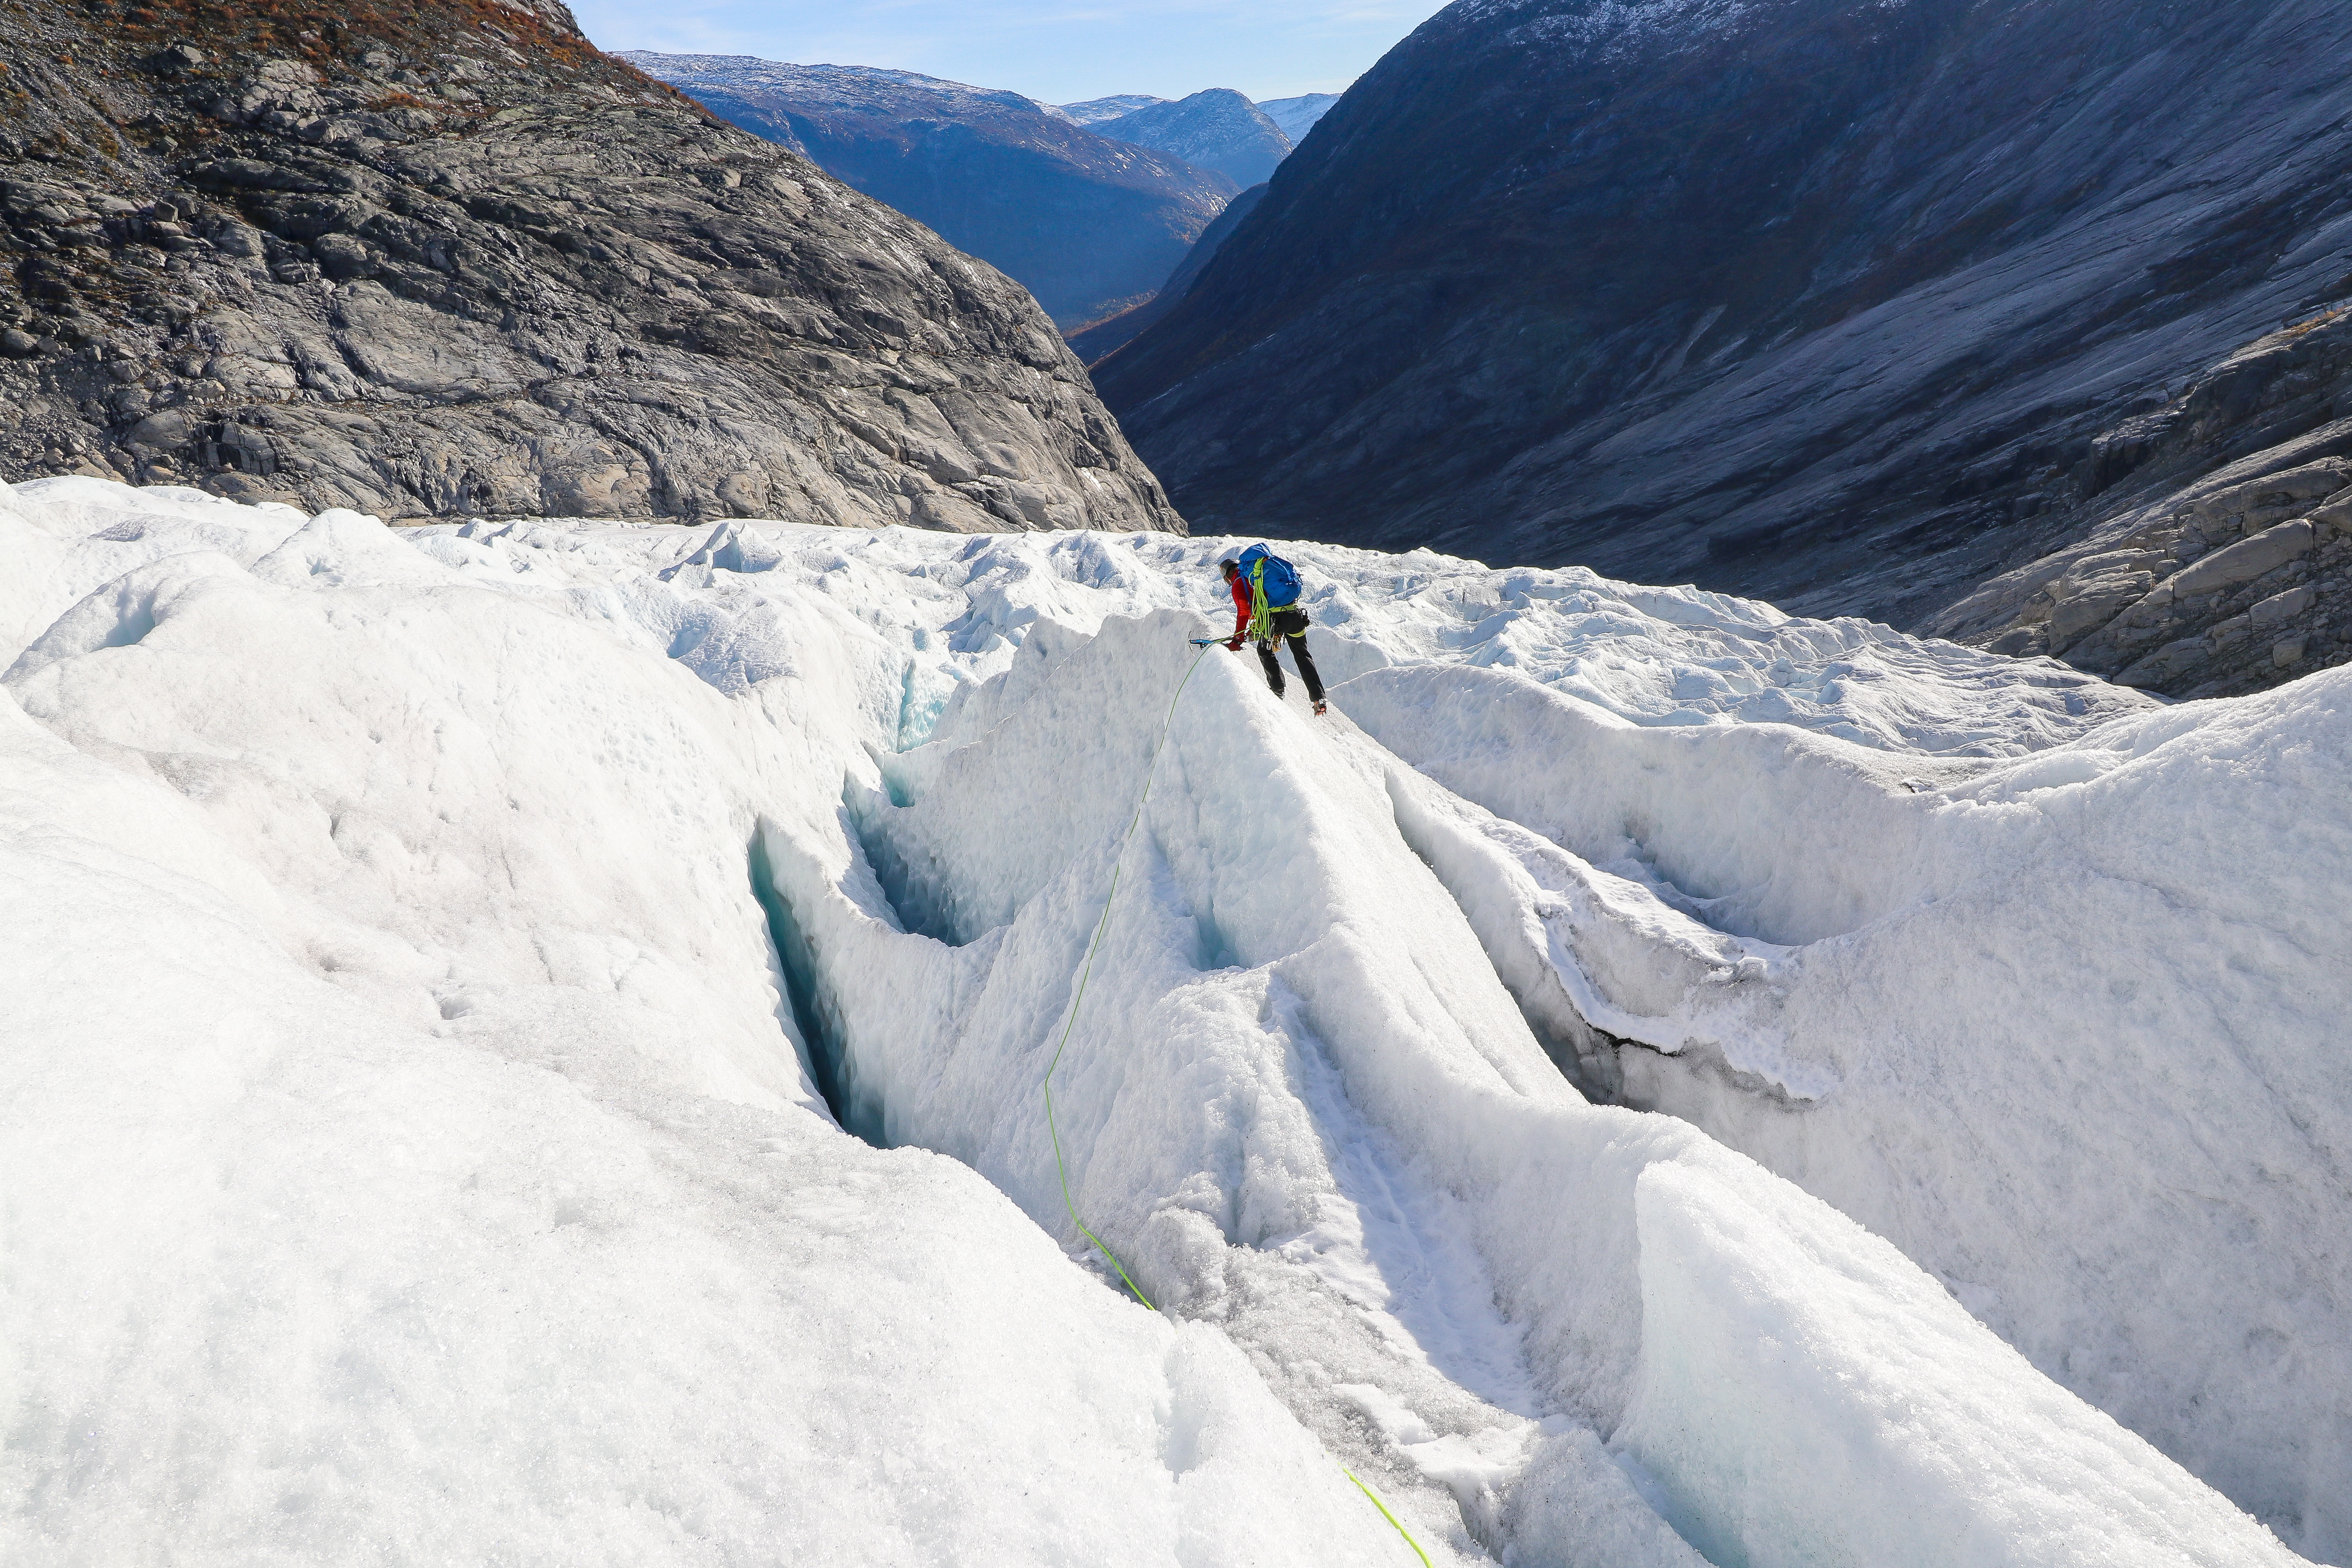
[1377,1503]
[1086,973]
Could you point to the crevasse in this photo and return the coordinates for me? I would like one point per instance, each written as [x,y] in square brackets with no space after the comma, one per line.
[1304,1100]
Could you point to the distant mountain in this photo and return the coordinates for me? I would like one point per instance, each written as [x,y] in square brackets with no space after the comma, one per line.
[1218,129]
[1095,110]
[1107,337]
[1091,225]
[1295,116]
[1850,307]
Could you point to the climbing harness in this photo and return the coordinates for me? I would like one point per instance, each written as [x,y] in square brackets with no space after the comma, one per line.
[1085,974]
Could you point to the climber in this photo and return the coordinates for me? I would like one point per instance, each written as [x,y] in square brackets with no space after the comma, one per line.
[1265,610]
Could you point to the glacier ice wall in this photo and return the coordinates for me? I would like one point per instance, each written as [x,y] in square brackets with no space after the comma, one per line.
[494,1077]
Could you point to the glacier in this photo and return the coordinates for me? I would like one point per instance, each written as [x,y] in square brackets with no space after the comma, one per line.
[526,1042]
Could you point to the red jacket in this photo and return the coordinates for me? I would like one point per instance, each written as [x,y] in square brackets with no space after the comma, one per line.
[1242,606]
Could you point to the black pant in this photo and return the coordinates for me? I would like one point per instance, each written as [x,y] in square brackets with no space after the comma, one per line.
[1290,623]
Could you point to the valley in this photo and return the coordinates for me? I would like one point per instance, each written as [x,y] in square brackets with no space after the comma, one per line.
[652,909]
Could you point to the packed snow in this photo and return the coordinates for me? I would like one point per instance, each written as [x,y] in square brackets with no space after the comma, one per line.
[2065,1029]
[438,959]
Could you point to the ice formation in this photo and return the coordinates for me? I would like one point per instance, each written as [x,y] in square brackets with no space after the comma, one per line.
[437,959]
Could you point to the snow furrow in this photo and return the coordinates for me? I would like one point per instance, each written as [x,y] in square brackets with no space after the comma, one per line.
[2048,1024]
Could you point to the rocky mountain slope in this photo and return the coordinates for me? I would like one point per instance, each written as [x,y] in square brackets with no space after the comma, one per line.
[1828,304]
[1104,337]
[2210,553]
[449,258]
[1294,117]
[1091,225]
[1218,129]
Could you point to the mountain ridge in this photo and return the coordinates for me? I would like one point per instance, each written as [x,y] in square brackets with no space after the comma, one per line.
[1214,129]
[1089,224]
[1095,110]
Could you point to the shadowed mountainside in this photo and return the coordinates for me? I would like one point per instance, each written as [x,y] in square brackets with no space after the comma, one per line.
[447,257]
[1088,222]
[1105,336]
[1818,301]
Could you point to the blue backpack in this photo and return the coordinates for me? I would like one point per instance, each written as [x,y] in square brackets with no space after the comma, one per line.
[1275,580]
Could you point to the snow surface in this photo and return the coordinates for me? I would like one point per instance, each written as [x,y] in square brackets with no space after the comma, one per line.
[2065,1028]
[426,951]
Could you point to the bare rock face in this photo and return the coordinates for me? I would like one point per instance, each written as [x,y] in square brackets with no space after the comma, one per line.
[2212,554]
[451,259]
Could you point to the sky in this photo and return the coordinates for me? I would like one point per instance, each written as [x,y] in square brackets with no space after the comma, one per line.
[1057,52]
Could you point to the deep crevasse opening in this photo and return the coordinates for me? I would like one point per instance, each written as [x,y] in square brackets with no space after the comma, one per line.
[1289,1218]
[1233,1124]
[816,1029]
[442,1180]
[1326,1128]
[2051,1024]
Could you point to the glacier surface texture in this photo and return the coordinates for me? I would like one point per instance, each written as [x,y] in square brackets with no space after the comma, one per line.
[525,1042]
